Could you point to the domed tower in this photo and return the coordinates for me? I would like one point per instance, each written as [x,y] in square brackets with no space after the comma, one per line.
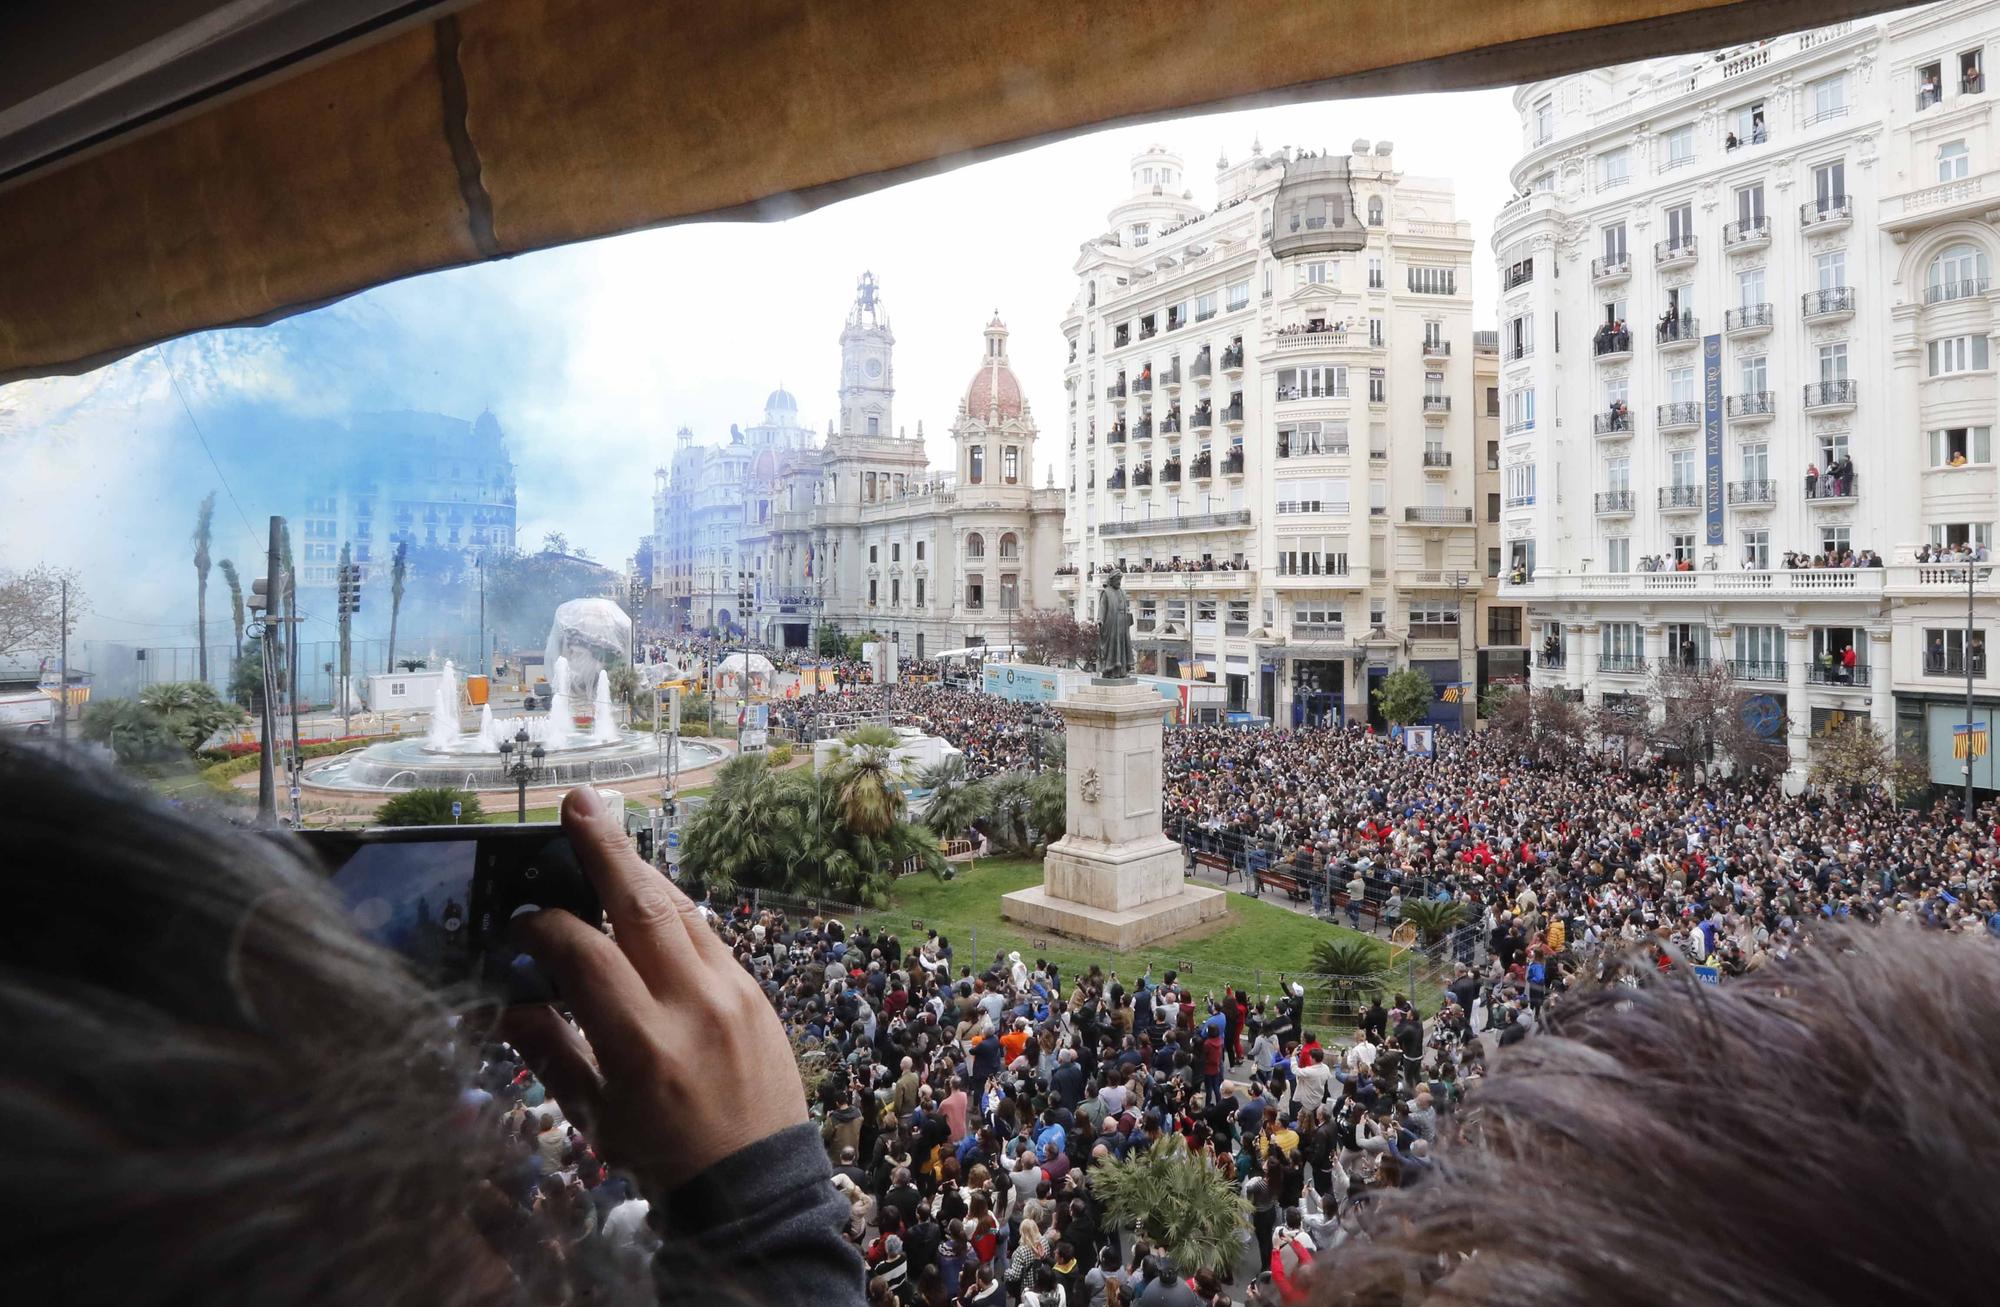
[1159,197]
[867,380]
[995,435]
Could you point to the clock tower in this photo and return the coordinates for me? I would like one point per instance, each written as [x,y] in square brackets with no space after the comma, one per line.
[867,378]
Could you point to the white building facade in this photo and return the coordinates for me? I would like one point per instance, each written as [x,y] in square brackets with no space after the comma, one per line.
[1720,347]
[1269,429]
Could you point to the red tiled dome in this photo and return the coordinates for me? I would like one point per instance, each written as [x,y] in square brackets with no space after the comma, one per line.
[993,383]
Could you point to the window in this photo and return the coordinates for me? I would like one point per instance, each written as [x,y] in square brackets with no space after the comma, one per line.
[1753,370]
[1828,97]
[1317,612]
[1519,479]
[1377,385]
[1520,336]
[1433,281]
[920,592]
[1679,147]
[1238,296]
[1680,225]
[1762,648]
[975,592]
[1270,281]
[1930,88]
[1681,545]
[1493,558]
[1520,409]
[1312,383]
[1312,495]
[1613,168]
[1493,446]
[895,592]
[1953,651]
[1204,307]
[1756,461]
[1830,269]
[1544,181]
[1833,362]
[1314,556]
[1618,554]
[1954,161]
[1010,592]
[1829,186]
[1316,273]
[1374,211]
[1750,205]
[1378,498]
[871,591]
[1957,273]
[1681,468]
[1010,546]
[1618,474]
[975,465]
[1957,446]
[1681,385]
[873,551]
[1621,645]
[1614,243]
[1746,125]
[1374,272]
[1141,232]
[1493,401]
[1978,534]
[1832,447]
[1493,506]
[874,426]
[920,551]
[1433,386]
[1956,354]
[1375,332]
[1750,287]
[1545,120]
[975,546]
[1972,71]
[896,553]
[1010,465]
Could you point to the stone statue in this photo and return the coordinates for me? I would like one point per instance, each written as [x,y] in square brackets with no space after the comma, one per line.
[1114,630]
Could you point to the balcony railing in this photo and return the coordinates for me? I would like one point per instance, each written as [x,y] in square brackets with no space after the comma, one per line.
[1612,502]
[1199,368]
[1204,418]
[1828,488]
[1115,390]
[1543,658]
[1835,673]
[1621,662]
[1171,378]
[1834,301]
[1437,403]
[1438,515]
[1753,492]
[1516,352]
[1179,522]
[1233,412]
[1832,394]
[1952,662]
[1746,233]
[1753,404]
[1674,250]
[1750,317]
[1202,468]
[1965,288]
[1436,349]
[1115,436]
[1437,458]
[1680,497]
[1609,269]
[1434,630]
[1682,329]
[1232,359]
[1170,472]
[1826,210]
[1518,275]
[1232,463]
[1678,413]
[1170,424]
[1618,422]
[1756,669]
[1611,342]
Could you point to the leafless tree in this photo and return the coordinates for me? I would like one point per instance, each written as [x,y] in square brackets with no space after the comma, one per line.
[31,609]
[1545,725]
[1706,721]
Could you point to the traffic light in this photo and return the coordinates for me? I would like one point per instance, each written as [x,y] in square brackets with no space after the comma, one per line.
[349,582]
[259,599]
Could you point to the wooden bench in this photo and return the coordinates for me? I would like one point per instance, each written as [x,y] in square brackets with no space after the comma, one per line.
[1280,878]
[1369,908]
[1218,863]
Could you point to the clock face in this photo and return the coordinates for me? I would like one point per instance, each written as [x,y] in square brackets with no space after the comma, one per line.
[874,368]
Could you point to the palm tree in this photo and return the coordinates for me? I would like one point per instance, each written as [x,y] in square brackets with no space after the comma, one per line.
[204,528]
[192,710]
[1010,819]
[747,832]
[1351,965]
[1433,918]
[430,806]
[957,802]
[1048,805]
[1179,1201]
[228,570]
[399,571]
[865,771]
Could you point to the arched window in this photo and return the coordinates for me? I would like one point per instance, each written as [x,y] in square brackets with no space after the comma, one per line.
[975,545]
[1957,273]
[1010,545]
[975,465]
[1374,211]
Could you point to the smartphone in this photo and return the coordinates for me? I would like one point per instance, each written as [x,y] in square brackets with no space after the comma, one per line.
[444,897]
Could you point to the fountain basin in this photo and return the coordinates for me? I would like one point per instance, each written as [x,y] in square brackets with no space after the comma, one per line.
[395,765]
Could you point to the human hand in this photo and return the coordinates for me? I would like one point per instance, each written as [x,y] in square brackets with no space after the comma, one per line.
[680,1060]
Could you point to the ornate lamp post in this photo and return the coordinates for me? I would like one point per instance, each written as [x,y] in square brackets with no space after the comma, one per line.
[520,763]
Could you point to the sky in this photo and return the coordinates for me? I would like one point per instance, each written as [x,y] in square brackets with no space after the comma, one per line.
[592,355]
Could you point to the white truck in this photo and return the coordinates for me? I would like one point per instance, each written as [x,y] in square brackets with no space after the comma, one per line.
[26,711]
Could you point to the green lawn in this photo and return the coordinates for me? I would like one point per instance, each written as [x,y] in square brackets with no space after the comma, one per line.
[1250,946]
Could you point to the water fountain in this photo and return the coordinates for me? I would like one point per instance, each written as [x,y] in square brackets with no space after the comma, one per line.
[447,754]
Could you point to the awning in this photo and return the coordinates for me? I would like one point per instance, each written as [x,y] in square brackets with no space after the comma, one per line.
[418,142]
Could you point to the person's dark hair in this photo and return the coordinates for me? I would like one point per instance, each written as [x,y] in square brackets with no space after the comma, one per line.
[220,1091]
[1819,1131]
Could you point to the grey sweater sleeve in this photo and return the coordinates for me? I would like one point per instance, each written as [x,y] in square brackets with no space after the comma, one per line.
[763,1226]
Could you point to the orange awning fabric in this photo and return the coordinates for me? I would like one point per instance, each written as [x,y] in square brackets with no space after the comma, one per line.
[513,125]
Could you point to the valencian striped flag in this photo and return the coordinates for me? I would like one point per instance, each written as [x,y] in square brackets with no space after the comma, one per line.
[1968,741]
[1461,692]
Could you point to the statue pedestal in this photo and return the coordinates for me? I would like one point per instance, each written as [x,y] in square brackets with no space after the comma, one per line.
[1114,878]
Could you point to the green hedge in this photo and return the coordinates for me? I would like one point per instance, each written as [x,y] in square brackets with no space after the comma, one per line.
[220,774]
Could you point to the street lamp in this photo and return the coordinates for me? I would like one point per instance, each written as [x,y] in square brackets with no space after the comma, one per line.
[519,762]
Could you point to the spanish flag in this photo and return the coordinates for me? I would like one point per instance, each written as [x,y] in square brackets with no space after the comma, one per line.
[1968,741]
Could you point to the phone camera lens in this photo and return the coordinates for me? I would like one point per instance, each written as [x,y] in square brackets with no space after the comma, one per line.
[532,872]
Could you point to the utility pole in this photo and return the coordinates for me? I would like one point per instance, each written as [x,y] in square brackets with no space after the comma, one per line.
[264,596]
[479,566]
[62,670]
[349,603]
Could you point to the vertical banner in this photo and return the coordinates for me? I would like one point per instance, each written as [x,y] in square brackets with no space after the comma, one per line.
[1711,431]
